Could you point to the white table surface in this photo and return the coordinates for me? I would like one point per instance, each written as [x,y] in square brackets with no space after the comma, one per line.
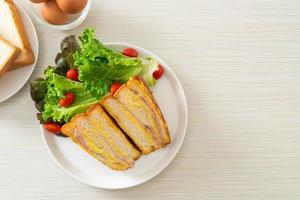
[239,64]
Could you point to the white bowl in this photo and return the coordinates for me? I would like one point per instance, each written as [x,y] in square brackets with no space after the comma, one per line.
[77,163]
[75,19]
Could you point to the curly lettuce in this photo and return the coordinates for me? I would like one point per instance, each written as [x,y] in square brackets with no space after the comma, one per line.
[54,86]
[99,66]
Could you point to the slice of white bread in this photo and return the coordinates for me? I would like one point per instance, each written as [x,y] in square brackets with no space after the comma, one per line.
[12,30]
[8,54]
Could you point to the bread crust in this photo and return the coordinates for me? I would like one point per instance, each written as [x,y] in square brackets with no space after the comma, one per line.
[13,56]
[27,51]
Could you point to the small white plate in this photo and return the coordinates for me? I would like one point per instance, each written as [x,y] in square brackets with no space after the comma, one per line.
[11,82]
[170,97]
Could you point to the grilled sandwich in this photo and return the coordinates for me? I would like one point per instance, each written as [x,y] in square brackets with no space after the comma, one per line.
[131,110]
[140,88]
[97,134]
[137,113]
[132,126]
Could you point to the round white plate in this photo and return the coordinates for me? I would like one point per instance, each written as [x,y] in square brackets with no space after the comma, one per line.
[170,97]
[11,82]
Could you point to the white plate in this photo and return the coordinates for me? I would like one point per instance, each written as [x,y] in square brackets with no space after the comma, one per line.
[13,81]
[77,163]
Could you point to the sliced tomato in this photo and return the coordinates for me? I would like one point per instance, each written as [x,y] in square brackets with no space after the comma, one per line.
[159,72]
[53,127]
[130,52]
[72,74]
[115,86]
[67,100]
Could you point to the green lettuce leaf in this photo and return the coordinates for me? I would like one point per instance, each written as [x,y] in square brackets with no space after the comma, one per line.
[99,66]
[57,85]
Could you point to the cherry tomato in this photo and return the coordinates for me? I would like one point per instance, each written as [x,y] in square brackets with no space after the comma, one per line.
[114,87]
[130,52]
[67,100]
[72,74]
[53,127]
[158,73]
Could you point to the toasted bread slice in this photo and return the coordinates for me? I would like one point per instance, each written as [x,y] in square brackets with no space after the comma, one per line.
[68,129]
[8,54]
[113,135]
[139,134]
[12,30]
[77,137]
[92,141]
[139,87]
[135,104]
[97,134]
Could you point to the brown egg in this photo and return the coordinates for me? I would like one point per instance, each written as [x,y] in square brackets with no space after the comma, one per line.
[38,1]
[53,14]
[71,6]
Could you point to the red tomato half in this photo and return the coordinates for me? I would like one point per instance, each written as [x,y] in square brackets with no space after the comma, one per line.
[72,74]
[114,87]
[68,100]
[53,127]
[158,73]
[130,52]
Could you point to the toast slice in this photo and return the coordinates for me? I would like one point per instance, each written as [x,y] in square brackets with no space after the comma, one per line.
[75,134]
[139,87]
[134,129]
[8,54]
[113,135]
[97,134]
[92,141]
[12,30]
[135,104]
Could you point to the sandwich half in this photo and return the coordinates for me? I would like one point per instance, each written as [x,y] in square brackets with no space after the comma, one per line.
[138,86]
[143,113]
[134,109]
[134,129]
[112,133]
[97,134]
[12,30]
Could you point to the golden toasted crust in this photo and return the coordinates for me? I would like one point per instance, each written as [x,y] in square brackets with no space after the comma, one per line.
[103,99]
[119,90]
[12,58]
[68,129]
[139,81]
[27,48]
